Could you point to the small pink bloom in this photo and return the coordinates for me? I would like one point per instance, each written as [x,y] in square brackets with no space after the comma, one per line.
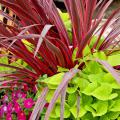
[28,103]
[24,95]
[25,87]
[4,109]
[17,107]
[5,84]
[8,116]
[34,89]
[21,115]
[5,99]
[13,94]
[10,106]
[1,112]
[20,94]
[14,98]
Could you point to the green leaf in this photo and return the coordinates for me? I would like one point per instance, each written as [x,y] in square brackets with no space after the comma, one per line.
[118,118]
[108,78]
[93,40]
[42,78]
[18,63]
[90,88]
[68,26]
[64,16]
[114,60]
[74,54]
[100,55]
[96,77]
[83,75]
[88,116]
[53,114]
[74,111]
[72,99]
[53,119]
[116,106]
[104,117]
[104,92]
[66,111]
[86,100]
[86,51]
[54,80]
[99,108]
[72,89]
[61,69]
[93,68]
[37,94]
[4,60]
[82,83]
[50,96]
[100,42]
[113,115]
[52,87]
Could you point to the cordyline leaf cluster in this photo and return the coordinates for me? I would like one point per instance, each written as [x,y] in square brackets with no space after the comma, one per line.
[40,25]
[40,38]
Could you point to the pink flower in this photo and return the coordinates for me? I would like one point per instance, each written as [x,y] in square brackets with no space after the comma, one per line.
[34,89]
[20,94]
[5,99]
[25,87]
[28,103]
[1,112]
[21,115]
[10,106]
[17,107]
[14,98]
[4,109]
[8,116]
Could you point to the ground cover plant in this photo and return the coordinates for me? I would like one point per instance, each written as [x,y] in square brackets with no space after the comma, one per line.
[56,65]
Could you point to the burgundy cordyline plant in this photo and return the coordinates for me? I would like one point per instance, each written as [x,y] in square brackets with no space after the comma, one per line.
[48,44]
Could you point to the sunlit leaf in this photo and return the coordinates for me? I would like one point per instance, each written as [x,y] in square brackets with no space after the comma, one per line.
[61,69]
[54,80]
[86,51]
[100,55]
[99,108]
[74,54]
[72,99]
[114,60]
[116,106]
[74,111]
[103,92]
[66,111]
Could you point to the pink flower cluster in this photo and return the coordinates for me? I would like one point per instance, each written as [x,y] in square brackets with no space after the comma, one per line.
[14,105]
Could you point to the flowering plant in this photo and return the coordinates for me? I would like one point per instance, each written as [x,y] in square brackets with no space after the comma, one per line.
[17,103]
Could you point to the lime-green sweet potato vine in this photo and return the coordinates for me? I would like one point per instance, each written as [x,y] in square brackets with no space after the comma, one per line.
[98,90]
[65,57]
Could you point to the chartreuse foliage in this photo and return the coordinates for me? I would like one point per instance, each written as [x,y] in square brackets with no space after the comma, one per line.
[99,93]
